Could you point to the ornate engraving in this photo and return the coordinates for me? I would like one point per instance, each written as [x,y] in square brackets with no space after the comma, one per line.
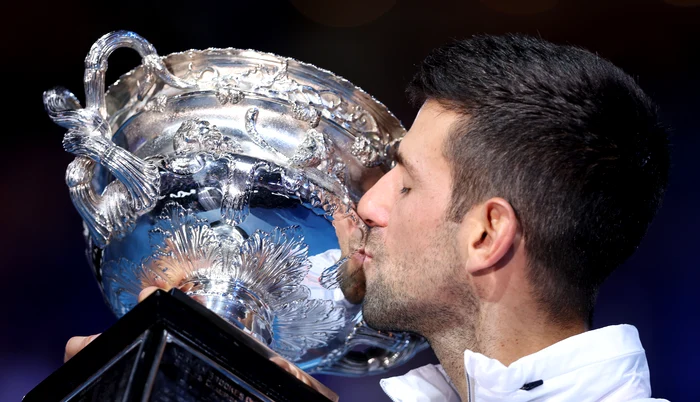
[251,119]
[197,135]
[306,113]
[184,247]
[228,94]
[314,196]
[188,254]
[368,152]
[314,149]
[308,103]
[306,324]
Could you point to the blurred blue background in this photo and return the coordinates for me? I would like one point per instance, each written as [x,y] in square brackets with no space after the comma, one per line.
[49,294]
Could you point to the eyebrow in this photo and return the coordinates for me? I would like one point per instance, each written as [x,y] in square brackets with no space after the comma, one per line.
[401,160]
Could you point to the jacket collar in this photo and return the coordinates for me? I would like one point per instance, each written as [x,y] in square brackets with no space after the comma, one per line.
[586,367]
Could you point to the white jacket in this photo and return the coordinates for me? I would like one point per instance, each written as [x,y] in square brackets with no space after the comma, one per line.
[606,364]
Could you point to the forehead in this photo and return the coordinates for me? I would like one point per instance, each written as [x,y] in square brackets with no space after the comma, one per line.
[424,142]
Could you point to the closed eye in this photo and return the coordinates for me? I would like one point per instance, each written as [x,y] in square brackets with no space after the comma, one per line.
[404,190]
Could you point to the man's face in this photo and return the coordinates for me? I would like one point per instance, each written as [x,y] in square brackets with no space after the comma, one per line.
[412,264]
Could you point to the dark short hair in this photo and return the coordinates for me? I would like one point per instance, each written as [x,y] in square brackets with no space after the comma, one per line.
[569,139]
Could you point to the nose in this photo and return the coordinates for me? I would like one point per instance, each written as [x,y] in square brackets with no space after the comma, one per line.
[375,206]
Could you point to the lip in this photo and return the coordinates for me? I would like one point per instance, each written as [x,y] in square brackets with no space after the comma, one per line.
[361,256]
[358,259]
[366,252]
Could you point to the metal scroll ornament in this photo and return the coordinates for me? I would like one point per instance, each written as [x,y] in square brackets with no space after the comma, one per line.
[232,175]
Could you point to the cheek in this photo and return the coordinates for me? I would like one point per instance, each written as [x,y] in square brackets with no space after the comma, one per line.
[411,225]
[421,208]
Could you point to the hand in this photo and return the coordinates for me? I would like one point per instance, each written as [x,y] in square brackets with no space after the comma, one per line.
[77,343]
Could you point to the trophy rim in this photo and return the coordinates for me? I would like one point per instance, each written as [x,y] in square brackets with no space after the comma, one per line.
[394,128]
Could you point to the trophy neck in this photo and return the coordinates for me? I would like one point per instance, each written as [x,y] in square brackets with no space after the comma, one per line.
[235,303]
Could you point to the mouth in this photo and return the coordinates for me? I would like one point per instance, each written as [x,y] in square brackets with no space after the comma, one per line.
[358,241]
[359,256]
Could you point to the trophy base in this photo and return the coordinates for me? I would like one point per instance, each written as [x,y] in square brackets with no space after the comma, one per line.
[171,348]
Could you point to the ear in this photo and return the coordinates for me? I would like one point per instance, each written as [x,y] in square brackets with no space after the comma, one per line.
[490,230]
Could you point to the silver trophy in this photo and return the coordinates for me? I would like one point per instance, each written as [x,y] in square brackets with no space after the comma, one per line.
[232,175]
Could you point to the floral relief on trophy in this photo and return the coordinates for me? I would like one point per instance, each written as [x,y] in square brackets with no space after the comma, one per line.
[196,141]
[368,152]
[228,94]
[372,152]
[185,245]
[190,255]
[306,324]
[197,135]
[309,103]
[314,149]
[306,113]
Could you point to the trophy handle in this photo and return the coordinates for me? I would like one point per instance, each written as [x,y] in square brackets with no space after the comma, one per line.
[375,352]
[96,67]
[113,212]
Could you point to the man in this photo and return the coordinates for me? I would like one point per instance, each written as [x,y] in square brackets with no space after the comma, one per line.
[530,173]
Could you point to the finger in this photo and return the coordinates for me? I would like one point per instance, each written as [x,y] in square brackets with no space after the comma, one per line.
[76,344]
[147,292]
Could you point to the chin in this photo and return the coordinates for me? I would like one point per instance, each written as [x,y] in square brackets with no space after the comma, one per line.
[377,323]
[378,314]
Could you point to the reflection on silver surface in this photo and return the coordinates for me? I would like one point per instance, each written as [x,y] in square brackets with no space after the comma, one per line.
[232,175]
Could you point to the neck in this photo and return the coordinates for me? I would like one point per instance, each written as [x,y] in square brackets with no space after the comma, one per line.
[498,336]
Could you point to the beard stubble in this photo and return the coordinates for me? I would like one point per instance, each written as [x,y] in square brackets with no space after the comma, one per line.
[420,291]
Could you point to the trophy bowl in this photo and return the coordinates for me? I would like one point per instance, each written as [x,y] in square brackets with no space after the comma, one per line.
[232,175]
